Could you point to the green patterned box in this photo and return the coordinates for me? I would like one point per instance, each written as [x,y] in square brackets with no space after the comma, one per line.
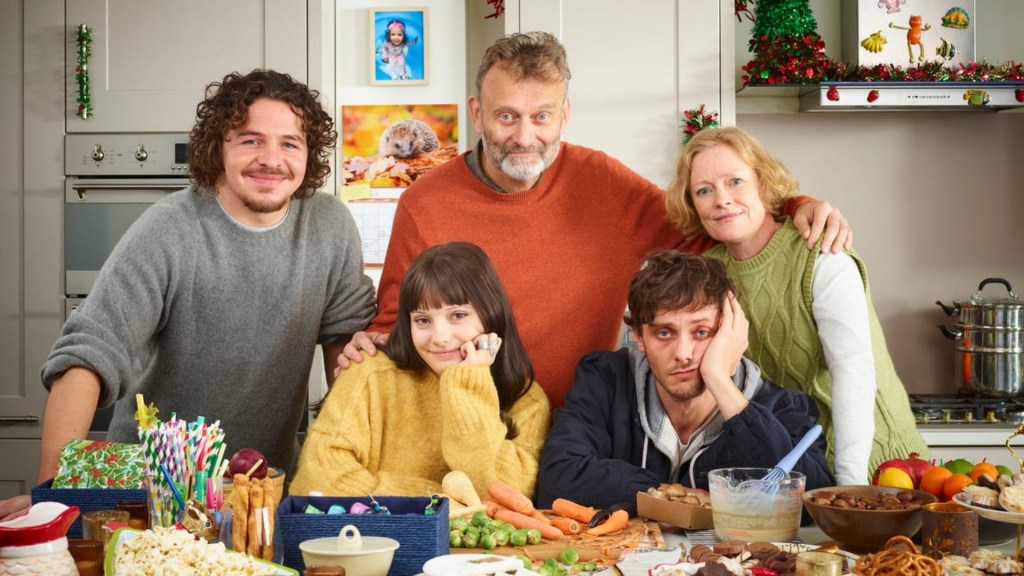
[100,464]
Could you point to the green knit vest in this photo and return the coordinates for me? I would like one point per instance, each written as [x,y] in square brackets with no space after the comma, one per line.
[775,292]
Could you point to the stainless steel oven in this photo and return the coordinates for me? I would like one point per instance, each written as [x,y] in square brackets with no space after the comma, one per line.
[110,180]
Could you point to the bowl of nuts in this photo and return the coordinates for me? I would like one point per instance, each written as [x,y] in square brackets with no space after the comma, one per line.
[863,518]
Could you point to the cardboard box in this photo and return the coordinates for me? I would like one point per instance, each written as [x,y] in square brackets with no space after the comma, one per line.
[87,499]
[877,32]
[674,513]
[420,536]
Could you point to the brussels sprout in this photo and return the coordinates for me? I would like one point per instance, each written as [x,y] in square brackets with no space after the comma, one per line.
[527,563]
[587,567]
[569,556]
[487,542]
[518,538]
[470,539]
[459,524]
[480,519]
[455,539]
[546,570]
[533,537]
[501,537]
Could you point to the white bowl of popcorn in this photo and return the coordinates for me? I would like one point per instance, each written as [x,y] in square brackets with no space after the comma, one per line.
[357,554]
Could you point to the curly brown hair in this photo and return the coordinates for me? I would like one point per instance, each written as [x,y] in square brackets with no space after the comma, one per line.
[534,55]
[777,185]
[226,108]
[669,280]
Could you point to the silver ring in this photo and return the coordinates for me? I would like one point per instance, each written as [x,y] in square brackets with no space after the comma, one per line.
[484,345]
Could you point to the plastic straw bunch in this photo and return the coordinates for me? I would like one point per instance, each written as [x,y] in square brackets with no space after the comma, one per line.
[184,460]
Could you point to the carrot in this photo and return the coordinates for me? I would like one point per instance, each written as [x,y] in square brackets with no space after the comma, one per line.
[570,509]
[523,521]
[566,525]
[492,507]
[616,522]
[538,515]
[509,497]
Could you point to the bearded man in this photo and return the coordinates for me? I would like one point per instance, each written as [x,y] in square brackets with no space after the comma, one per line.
[565,225]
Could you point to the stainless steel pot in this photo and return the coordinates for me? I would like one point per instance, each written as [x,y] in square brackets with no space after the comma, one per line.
[989,336]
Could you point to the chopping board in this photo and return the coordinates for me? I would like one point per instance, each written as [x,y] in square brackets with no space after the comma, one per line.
[641,533]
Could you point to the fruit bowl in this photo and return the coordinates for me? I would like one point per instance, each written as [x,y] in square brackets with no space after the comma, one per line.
[860,530]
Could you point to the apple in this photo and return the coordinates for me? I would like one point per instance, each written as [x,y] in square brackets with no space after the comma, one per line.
[917,466]
[246,458]
[894,463]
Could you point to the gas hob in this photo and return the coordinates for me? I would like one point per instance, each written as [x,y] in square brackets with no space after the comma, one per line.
[955,410]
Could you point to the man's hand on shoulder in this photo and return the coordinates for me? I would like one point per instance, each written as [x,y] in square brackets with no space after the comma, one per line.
[361,342]
[820,219]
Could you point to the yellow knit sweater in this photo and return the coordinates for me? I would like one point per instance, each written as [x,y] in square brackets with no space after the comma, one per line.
[391,432]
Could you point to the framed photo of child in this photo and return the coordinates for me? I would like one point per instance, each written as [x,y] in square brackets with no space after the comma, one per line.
[401,52]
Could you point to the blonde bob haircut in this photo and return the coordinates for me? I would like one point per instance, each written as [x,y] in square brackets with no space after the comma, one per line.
[776,187]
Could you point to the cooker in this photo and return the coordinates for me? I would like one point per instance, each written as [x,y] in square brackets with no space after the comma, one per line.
[989,342]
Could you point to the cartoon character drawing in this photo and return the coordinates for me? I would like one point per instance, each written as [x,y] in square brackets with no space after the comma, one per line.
[914,36]
[977,97]
[946,49]
[874,42]
[394,48]
[891,5]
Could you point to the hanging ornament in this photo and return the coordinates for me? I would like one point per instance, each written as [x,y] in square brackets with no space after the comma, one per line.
[743,10]
[696,120]
[82,72]
[499,8]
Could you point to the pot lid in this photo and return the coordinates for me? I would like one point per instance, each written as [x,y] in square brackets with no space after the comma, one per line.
[977,299]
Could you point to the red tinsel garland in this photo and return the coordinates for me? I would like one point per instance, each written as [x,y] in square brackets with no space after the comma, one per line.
[803,61]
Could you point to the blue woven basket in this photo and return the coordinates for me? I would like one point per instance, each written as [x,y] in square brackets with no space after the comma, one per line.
[87,499]
[420,537]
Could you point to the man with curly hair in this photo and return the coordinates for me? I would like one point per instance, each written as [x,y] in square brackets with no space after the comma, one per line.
[214,300]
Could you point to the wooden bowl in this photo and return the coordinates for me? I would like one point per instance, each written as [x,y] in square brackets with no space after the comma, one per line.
[861,530]
[276,474]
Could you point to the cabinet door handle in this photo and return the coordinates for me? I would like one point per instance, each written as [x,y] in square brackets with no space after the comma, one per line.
[18,419]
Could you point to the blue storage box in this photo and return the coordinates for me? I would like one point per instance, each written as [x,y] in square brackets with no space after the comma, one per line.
[420,536]
[87,499]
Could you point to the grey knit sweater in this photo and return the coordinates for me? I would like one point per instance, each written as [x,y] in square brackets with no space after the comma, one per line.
[209,318]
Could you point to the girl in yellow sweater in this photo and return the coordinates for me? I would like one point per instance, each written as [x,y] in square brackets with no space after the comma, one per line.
[454,390]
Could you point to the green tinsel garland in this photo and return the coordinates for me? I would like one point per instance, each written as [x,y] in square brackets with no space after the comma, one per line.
[82,72]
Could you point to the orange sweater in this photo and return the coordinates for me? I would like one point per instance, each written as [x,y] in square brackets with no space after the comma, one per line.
[566,249]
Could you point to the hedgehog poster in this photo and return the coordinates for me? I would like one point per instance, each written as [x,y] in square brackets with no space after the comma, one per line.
[389,146]
[908,33]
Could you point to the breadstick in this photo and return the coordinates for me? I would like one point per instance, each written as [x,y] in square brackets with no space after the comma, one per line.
[239,512]
[255,534]
[271,506]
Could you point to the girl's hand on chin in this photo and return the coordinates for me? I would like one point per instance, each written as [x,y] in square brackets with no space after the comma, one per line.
[482,350]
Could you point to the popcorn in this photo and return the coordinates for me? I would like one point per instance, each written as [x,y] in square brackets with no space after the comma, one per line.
[170,552]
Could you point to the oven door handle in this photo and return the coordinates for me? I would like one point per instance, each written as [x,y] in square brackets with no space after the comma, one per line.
[120,192]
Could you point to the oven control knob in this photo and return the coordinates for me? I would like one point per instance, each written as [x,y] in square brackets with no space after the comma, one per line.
[141,154]
[990,416]
[97,153]
[968,416]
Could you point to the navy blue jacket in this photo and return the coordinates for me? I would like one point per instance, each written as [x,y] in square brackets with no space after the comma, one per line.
[594,450]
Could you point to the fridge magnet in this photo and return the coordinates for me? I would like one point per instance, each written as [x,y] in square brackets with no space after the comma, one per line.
[400,46]
[389,146]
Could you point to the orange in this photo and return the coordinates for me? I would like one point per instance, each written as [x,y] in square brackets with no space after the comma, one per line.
[954,484]
[986,468]
[932,479]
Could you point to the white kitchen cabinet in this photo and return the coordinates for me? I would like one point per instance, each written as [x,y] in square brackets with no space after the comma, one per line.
[636,69]
[151,60]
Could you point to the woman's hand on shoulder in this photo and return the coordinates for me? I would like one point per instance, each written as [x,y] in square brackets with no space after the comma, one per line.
[482,350]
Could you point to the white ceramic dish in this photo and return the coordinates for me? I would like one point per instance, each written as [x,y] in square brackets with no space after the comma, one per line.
[126,534]
[689,568]
[359,555]
[470,565]
[964,499]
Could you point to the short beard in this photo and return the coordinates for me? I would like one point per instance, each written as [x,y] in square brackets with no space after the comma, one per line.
[518,170]
[263,208]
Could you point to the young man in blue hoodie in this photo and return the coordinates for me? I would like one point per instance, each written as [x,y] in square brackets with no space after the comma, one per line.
[681,403]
